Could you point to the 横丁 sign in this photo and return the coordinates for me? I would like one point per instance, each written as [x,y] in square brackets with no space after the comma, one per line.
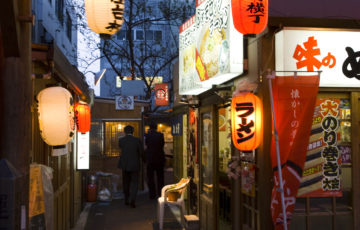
[210,48]
[333,52]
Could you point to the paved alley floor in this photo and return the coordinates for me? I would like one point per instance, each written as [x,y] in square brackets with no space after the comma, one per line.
[116,215]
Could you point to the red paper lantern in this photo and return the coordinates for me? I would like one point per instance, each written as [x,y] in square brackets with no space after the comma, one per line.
[246,121]
[250,16]
[83,117]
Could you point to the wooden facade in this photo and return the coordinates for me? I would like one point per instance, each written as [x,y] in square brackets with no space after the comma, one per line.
[50,68]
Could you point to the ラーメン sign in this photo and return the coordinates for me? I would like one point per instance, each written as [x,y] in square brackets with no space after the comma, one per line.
[105,17]
[246,121]
[210,48]
[335,53]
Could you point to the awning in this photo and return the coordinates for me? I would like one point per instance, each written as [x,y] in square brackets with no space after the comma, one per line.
[59,66]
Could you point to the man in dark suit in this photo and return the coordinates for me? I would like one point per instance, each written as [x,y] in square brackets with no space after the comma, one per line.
[131,152]
[155,159]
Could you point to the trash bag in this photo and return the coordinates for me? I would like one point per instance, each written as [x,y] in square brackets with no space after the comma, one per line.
[104,195]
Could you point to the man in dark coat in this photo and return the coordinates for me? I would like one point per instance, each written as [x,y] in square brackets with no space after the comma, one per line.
[155,159]
[131,152]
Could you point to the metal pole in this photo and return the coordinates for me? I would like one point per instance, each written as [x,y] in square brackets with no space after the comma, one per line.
[278,157]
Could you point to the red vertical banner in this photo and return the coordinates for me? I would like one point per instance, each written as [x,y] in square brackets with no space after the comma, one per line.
[294,101]
[193,140]
[162,94]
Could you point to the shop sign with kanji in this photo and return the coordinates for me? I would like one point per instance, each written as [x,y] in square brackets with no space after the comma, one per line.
[335,53]
[322,170]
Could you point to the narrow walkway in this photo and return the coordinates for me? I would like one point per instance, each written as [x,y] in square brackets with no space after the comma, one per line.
[116,215]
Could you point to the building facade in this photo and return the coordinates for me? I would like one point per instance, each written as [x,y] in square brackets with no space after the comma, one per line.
[231,188]
[54,63]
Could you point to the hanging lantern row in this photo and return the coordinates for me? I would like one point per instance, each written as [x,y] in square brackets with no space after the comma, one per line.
[56,116]
[250,16]
[105,17]
[246,121]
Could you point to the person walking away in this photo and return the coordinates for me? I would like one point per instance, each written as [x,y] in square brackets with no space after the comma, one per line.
[155,159]
[131,152]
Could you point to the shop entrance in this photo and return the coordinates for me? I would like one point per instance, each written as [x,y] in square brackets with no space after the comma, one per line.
[207,169]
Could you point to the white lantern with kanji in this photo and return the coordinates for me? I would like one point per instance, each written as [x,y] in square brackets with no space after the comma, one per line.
[56,115]
[105,17]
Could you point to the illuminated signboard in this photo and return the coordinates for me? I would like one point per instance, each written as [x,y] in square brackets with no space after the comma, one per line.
[211,50]
[335,53]
[83,143]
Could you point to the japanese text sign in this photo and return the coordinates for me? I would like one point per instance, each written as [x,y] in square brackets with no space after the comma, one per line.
[246,121]
[105,17]
[335,53]
[250,16]
[321,175]
[162,94]
[83,151]
[176,125]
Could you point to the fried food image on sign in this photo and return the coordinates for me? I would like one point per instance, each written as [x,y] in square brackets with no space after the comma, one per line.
[210,50]
[189,59]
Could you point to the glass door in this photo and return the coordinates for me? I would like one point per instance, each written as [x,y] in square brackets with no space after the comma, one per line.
[207,170]
[224,156]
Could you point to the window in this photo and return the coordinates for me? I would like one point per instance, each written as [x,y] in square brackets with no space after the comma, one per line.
[329,208]
[96,138]
[68,26]
[149,35]
[158,35]
[121,35]
[139,35]
[59,9]
[113,131]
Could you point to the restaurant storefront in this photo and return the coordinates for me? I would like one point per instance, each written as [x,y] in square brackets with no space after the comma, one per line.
[231,188]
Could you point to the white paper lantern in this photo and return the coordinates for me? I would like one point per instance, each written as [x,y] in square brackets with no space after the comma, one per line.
[105,17]
[56,115]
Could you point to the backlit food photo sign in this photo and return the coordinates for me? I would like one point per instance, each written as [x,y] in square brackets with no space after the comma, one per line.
[335,53]
[211,50]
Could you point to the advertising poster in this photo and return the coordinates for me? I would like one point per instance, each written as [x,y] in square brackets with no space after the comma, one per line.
[211,49]
[321,174]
